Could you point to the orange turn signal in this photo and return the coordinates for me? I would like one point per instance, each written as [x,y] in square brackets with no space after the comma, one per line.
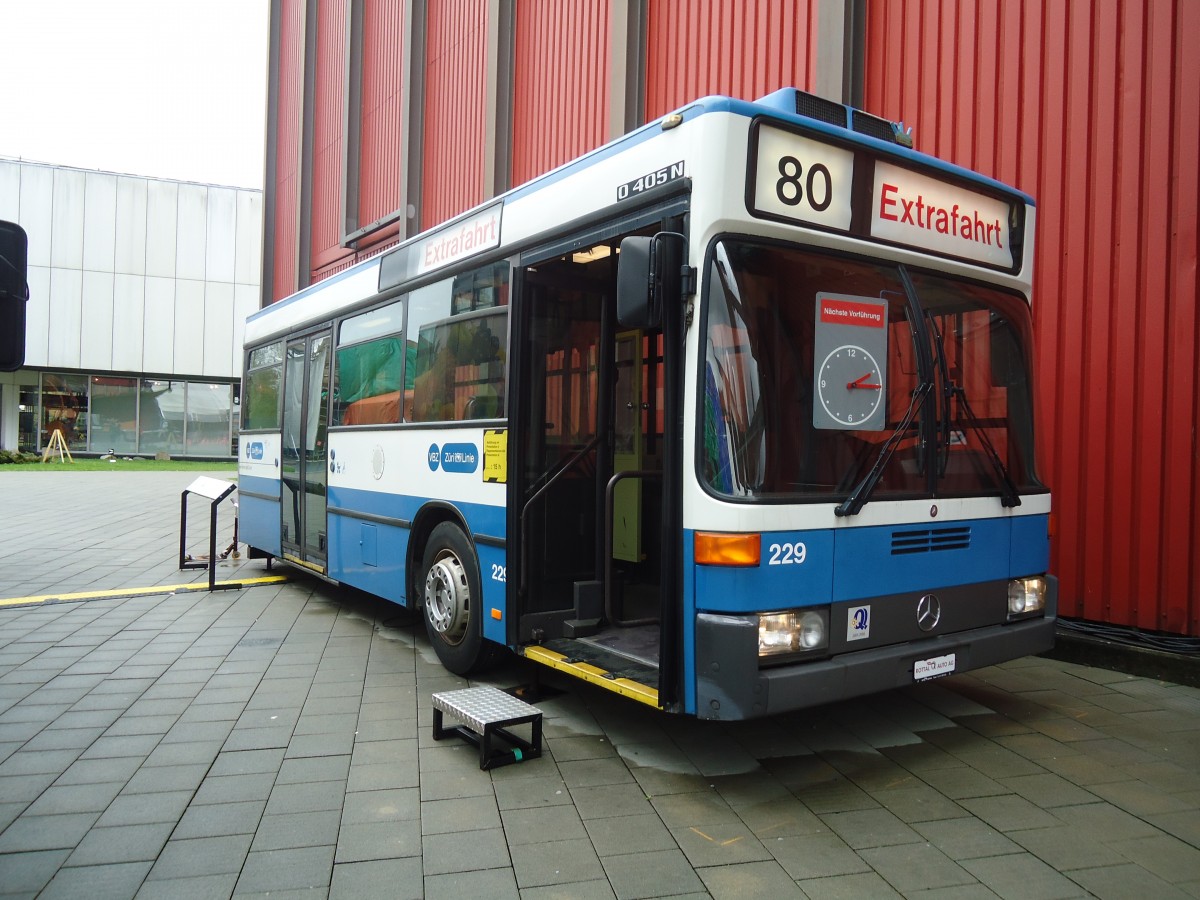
[715,549]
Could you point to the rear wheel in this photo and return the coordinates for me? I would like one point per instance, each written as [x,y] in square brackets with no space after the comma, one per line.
[452,600]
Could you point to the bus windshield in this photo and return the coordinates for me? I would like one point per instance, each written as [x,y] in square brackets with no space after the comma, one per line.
[814,362]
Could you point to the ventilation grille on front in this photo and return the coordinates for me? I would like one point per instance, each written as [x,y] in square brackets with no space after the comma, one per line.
[929,539]
[865,123]
[819,108]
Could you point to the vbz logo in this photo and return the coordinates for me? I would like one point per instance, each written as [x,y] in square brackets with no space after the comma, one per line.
[435,457]
[858,623]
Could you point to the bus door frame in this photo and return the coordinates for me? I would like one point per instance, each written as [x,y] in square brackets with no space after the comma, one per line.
[297,547]
[664,210]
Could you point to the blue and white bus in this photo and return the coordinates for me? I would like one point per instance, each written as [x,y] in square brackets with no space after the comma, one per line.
[732,416]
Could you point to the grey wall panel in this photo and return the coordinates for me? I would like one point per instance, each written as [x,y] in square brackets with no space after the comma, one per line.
[37,317]
[96,335]
[130,229]
[193,231]
[158,335]
[37,211]
[247,299]
[66,239]
[66,308]
[248,268]
[129,309]
[221,240]
[189,327]
[218,330]
[10,191]
[162,213]
[108,255]
[99,221]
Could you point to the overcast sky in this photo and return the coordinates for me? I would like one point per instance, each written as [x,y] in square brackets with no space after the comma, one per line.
[166,88]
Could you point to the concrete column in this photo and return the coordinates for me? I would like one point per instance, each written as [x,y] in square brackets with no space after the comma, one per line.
[838,57]
[9,402]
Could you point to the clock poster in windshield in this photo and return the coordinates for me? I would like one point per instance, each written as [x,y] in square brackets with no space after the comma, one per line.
[850,360]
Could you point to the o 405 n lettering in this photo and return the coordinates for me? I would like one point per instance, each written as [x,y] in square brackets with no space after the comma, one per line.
[653,179]
[788,554]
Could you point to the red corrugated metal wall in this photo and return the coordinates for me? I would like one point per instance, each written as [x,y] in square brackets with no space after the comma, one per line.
[328,136]
[455,100]
[285,190]
[381,132]
[744,48]
[560,83]
[1094,108]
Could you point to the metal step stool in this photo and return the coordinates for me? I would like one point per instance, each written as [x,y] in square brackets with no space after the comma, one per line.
[485,713]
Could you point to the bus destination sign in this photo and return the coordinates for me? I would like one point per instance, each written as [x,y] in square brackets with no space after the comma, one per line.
[922,212]
[804,180]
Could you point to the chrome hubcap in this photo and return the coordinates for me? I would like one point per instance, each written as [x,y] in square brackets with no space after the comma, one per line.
[447,598]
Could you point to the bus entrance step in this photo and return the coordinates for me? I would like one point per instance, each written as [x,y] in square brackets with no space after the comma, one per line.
[485,714]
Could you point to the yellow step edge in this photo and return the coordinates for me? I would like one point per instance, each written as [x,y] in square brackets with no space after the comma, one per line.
[113,593]
[296,561]
[593,675]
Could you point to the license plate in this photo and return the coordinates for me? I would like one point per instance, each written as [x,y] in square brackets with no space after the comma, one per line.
[931,668]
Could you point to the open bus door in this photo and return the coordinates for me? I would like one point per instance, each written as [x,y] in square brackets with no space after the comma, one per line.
[594,522]
[304,463]
[14,295]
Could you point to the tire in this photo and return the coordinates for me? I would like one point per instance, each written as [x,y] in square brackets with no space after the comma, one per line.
[452,601]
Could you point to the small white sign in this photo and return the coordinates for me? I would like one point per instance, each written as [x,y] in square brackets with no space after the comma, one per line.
[858,623]
[931,668]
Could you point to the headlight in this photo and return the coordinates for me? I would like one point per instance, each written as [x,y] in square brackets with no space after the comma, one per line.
[795,631]
[1026,595]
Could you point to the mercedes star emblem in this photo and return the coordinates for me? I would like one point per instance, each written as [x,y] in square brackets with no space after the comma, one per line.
[929,612]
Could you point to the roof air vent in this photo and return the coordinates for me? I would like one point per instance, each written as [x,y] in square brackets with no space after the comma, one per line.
[873,126]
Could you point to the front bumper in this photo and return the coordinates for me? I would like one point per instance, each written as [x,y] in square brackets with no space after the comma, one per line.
[730,684]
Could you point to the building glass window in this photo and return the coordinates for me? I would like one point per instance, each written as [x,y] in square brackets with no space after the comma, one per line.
[235,419]
[114,406]
[207,431]
[27,419]
[161,416]
[65,409]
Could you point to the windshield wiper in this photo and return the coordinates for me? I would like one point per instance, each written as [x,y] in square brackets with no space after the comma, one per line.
[942,450]
[858,498]
[1008,491]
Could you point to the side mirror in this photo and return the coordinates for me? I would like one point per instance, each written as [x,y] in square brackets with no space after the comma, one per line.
[639,304]
[649,272]
[14,294]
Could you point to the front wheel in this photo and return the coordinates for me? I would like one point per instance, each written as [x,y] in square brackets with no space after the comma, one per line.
[453,600]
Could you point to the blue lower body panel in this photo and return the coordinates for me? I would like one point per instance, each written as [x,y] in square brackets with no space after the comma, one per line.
[258,523]
[368,555]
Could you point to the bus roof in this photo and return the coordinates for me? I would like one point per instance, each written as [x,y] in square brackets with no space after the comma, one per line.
[842,123]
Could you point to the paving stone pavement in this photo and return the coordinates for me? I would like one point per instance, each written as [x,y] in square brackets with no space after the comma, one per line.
[278,740]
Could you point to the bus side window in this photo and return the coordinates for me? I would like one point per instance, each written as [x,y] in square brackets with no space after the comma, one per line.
[368,367]
[461,369]
[264,375]
[457,333]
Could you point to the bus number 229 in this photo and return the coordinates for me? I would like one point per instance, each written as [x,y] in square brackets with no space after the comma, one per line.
[788,554]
